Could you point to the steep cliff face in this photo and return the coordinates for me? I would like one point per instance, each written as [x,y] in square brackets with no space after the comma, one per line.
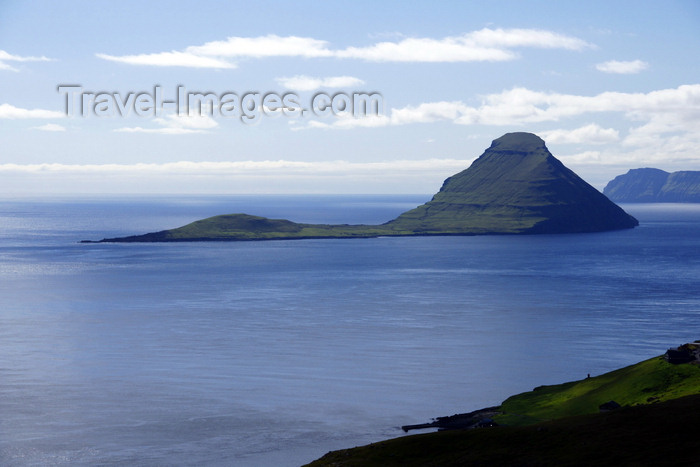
[516,186]
[655,186]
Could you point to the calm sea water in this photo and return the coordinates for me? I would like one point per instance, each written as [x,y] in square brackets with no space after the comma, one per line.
[273,353]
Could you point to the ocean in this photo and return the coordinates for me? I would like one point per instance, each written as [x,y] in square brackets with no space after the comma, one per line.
[273,353]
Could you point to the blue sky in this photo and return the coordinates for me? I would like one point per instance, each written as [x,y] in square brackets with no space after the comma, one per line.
[609,85]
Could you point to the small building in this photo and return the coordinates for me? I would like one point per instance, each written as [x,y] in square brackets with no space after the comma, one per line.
[685,353]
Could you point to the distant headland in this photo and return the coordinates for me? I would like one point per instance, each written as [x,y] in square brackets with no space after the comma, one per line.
[515,187]
[655,186]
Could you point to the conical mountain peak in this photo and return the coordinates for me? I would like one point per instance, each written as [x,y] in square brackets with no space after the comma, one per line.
[518,142]
[516,186]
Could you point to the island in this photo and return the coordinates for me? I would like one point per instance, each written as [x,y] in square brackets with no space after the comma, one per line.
[515,187]
[655,186]
[643,414]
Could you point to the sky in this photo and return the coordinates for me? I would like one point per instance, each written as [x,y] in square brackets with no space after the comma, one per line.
[92,94]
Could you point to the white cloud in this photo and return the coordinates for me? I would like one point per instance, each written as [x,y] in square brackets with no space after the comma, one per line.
[173,124]
[588,134]
[527,38]
[11,112]
[264,46]
[309,83]
[661,125]
[585,157]
[214,54]
[423,113]
[369,121]
[173,58]
[50,127]
[621,67]
[449,49]
[7,57]
[665,109]
[483,45]
[429,112]
[521,105]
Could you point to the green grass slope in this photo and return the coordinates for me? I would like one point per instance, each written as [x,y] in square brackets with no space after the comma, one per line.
[247,227]
[516,186]
[650,381]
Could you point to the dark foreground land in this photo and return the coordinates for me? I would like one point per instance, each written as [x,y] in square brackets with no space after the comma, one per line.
[646,414]
[661,434]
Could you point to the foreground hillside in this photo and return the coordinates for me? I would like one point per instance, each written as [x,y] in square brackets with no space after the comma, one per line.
[663,434]
[515,187]
[650,381]
[563,425]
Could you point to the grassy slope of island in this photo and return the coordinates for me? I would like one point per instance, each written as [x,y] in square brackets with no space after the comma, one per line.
[515,187]
[561,425]
[248,227]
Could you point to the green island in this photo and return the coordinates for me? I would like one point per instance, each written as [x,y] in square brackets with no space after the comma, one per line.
[515,187]
[643,414]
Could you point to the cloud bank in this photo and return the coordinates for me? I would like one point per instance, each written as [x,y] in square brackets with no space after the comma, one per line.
[588,134]
[665,110]
[280,167]
[477,46]
[660,125]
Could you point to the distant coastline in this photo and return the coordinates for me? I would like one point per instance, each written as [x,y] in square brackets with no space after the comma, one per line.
[650,185]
